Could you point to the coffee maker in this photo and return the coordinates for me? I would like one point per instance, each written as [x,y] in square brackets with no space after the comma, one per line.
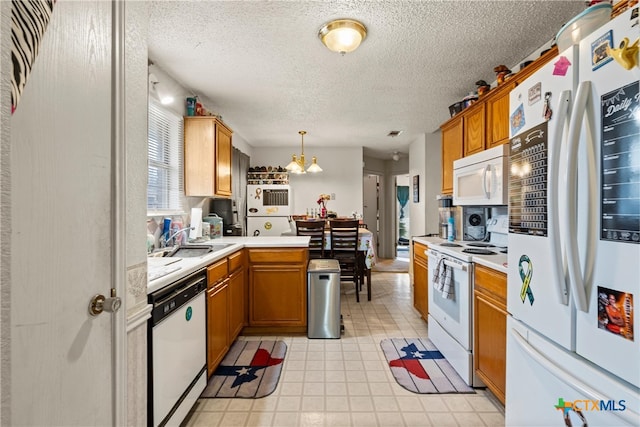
[445,211]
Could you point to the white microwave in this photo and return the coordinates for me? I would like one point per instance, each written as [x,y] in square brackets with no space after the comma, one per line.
[268,200]
[481,179]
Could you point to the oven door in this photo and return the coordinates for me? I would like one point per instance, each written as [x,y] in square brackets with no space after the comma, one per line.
[454,314]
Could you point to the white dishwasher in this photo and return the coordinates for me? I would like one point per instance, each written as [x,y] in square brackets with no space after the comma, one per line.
[177,349]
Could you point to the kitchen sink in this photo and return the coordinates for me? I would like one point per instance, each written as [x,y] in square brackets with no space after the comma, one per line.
[189,251]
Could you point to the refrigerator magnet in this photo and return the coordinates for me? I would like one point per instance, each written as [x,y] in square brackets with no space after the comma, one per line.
[561,66]
[525,268]
[546,109]
[615,312]
[517,120]
[535,93]
[599,47]
[626,55]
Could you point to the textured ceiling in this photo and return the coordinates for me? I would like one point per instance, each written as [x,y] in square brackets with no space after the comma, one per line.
[266,72]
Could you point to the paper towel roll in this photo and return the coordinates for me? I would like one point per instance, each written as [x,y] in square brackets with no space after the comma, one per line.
[196,223]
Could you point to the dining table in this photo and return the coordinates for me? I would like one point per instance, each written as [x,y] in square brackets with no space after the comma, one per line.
[366,253]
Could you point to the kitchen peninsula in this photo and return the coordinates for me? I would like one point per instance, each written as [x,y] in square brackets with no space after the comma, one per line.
[273,289]
[203,300]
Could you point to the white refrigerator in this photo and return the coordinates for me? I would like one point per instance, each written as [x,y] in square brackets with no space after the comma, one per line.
[268,209]
[573,338]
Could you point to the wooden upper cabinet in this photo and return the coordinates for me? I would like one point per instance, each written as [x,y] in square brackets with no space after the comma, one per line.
[497,106]
[223,160]
[451,150]
[474,130]
[207,157]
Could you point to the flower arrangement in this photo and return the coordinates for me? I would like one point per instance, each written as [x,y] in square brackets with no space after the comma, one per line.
[322,199]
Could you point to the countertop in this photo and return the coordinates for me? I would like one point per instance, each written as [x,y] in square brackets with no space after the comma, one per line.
[497,262]
[180,267]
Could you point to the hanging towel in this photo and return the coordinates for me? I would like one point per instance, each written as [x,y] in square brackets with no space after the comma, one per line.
[442,278]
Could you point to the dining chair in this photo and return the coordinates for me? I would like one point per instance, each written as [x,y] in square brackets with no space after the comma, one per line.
[315,230]
[344,249]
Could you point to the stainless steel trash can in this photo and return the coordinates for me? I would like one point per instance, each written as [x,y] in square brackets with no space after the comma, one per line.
[323,298]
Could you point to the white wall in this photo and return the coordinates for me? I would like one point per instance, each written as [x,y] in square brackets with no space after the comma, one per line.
[425,162]
[342,176]
[417,167]
[433,180]
[180,94]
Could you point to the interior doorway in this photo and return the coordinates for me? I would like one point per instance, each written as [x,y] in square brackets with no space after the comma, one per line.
[371,205]
[402,192]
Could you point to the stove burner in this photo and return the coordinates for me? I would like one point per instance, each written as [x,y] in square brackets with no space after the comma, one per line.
[477,251]
[504,251]
[481,245]
[450,245]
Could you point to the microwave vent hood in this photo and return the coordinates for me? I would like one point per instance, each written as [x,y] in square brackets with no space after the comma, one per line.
[482,157]
[481,179]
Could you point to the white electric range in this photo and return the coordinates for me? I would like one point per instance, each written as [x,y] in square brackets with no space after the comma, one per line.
[451,314]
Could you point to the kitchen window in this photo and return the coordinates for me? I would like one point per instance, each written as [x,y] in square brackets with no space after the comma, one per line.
[165,186]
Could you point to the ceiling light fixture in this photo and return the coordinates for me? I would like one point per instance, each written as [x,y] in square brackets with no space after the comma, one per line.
[395,156]
[297,165]
[342,35]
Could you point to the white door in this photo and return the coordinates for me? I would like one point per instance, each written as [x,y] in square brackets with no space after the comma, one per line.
[539,294]
[58,207]
[370,206]
[608,331]
[549,386]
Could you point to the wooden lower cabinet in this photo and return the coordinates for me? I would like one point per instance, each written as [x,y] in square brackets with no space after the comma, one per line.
[277,296]
[237,303]
[490,328]
[278,288]
[420,279]
[217,325]
[226,306]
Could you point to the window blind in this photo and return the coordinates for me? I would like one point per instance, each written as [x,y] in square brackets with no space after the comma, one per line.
[165,186]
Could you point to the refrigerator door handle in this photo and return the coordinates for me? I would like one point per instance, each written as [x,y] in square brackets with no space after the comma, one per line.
[554,202]
[487,169]
[571,184]
[592,225]
[576,383]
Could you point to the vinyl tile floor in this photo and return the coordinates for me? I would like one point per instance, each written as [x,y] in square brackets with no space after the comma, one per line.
[346,381]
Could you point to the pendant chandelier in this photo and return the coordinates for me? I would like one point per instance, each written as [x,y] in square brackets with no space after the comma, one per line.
[297,165]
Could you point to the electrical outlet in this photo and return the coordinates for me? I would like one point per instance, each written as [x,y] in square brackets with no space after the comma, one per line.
[333,196]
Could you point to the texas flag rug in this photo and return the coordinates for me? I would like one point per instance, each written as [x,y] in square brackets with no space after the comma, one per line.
[418,366]
[250,369]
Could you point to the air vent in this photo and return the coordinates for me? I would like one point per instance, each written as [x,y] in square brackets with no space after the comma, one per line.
[394,133]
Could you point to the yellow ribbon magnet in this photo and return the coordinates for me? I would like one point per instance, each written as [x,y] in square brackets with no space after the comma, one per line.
[525,276]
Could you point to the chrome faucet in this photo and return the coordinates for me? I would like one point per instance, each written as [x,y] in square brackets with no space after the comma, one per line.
[182,230]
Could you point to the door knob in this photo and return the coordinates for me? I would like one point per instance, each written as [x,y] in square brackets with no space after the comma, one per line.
[100,303]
